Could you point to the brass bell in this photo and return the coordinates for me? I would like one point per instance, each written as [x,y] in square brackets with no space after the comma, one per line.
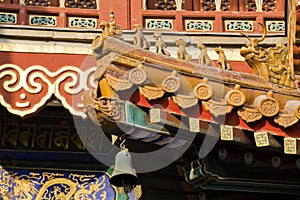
[124,175]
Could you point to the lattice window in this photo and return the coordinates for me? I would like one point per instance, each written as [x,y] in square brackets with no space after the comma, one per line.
[2,1]
[41,2]
[165,5]
[89,4]
[38,2]
[251,6]
[267,6]
[9,1]
[209,5]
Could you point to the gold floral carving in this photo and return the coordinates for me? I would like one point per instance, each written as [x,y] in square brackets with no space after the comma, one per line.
[202,91]
[217,108]
[235,97]
[106,112]
[58,194]
[185,101]
[285,120]
[137,76]
[118,84]
[249,114]
[151,92]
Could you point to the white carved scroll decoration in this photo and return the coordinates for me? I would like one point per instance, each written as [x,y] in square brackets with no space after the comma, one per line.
[26,91]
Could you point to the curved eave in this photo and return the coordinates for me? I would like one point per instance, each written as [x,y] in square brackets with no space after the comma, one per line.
[242,101]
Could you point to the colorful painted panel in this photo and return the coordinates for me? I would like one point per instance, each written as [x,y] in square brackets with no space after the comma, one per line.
[39,20]
[34,184]
[79,22]
[8,18]
[159,24]
[17,184]
[275,26]
[234,25]
[198,25]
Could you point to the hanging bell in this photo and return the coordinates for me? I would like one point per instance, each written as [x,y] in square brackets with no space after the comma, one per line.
[124,175]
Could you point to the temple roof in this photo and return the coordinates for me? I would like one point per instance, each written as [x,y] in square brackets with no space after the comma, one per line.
[62,69]
[172,88]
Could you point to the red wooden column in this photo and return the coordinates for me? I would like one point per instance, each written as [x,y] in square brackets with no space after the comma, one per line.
[218,24]
[178,23]
[280,5]
[22,15]
[234,5]
[62,21]
[242,5]
[136,16]
[121,8]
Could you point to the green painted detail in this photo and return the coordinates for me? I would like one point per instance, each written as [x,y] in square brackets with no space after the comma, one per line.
[8,18]
[134,115]
[43,20]
[82,22]
[137,117]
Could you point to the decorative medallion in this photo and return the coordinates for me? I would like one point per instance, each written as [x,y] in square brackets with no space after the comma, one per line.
[150,92]
[235,97]
[261,139]
[185,101]
[267,105]
[137,76]
[118,84]
[290,145]
[249,114]
[171,83]
[202,91]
